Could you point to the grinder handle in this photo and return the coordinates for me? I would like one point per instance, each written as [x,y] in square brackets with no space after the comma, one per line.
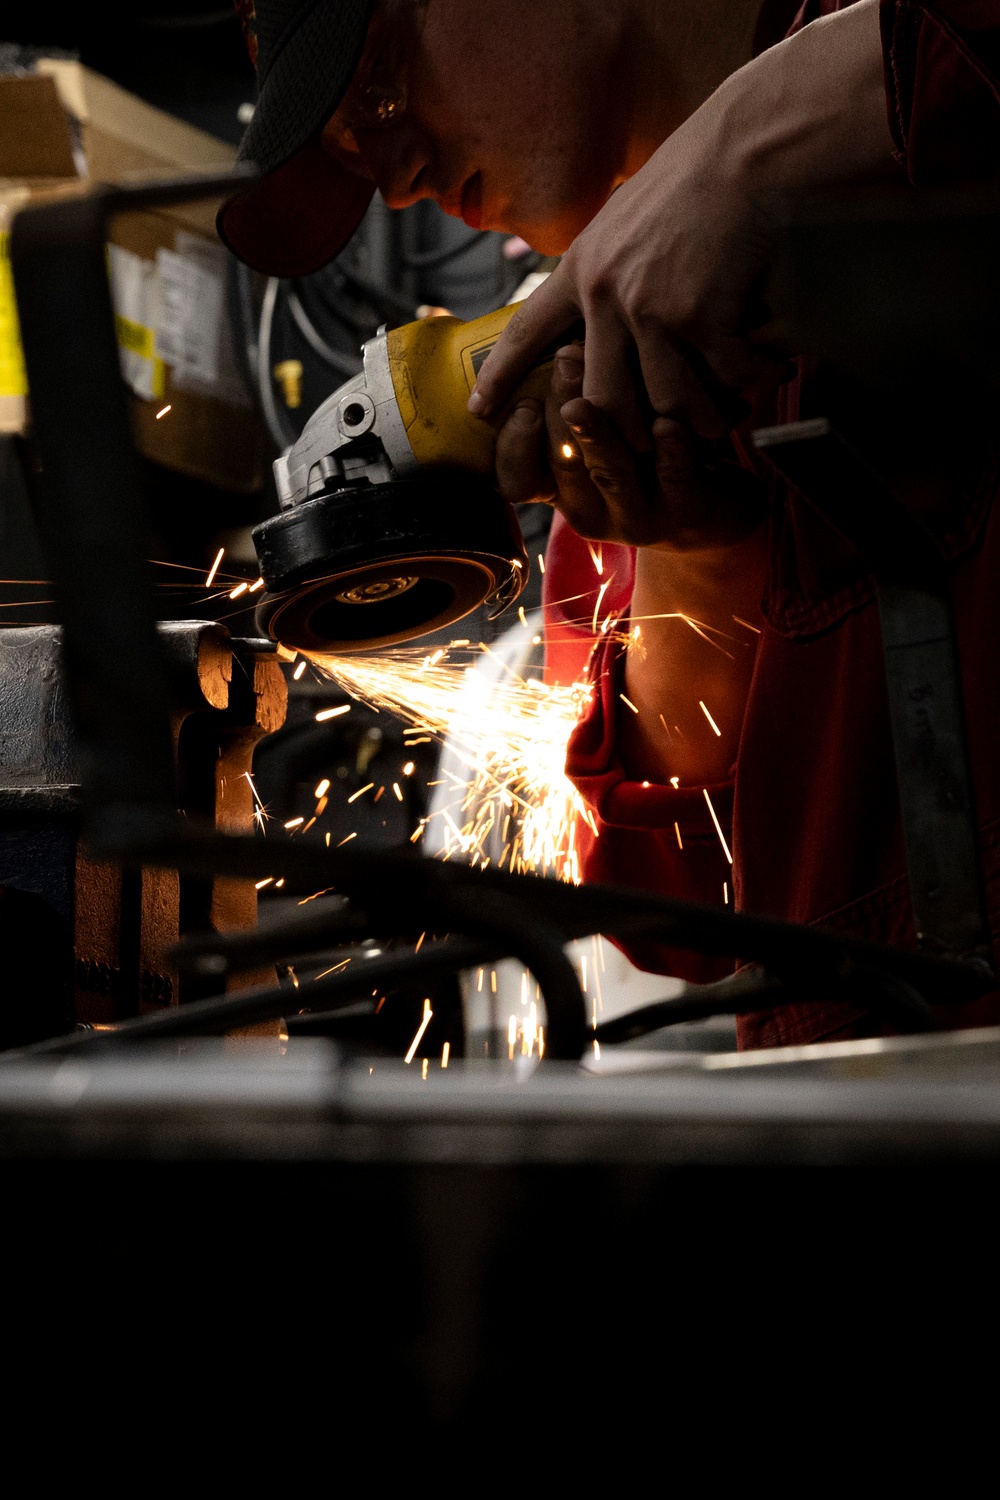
[434,365]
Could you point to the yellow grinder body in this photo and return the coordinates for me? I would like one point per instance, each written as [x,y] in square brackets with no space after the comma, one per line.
[391,525]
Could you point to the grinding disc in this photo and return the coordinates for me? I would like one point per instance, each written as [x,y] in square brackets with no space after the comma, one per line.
[376,565]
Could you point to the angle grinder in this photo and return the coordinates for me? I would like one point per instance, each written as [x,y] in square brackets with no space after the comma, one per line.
[391,525]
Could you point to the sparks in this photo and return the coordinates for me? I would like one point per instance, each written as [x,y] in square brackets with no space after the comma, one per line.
[510,735]
[163,411]
[445,1054]
[708,716]
[256,587]
[718,825]
[322,788]
[360,792]
[680,841]
[332,713]
[215,567]
[297,674]
[597,607]
[409,768]
[240,588]
[628,703]
[427,1019]
[260,812]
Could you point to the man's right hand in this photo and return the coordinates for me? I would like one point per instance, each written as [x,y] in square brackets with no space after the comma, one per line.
[679,497]
[665,277]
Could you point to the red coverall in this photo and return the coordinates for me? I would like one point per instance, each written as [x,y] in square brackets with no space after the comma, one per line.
[811,813]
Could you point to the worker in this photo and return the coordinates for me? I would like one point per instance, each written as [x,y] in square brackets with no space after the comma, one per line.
[737,748]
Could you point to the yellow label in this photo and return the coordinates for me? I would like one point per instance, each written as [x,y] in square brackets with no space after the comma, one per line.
[13,376]
[135,336]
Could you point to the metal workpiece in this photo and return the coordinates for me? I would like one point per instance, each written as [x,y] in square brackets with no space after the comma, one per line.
[876,1102]
[119,923]
[38,761]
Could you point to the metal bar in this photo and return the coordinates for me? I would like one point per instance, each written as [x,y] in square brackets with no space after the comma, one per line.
[216,1016]
[922,678]
[750,991]
[408,890]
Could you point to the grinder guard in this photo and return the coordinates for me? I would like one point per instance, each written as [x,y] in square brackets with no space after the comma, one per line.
[378,564]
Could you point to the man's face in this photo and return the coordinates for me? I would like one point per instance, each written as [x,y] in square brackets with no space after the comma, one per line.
[514,119]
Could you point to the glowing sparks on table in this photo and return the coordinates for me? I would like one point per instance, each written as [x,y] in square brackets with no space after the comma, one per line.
[510,737]
[427,1019]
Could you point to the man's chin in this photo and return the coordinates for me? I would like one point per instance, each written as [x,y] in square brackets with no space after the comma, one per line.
[548,238]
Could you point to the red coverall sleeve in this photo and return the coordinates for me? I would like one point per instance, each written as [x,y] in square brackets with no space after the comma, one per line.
[942,66]
[652,837]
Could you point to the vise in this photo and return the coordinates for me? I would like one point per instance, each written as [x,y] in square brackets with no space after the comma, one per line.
[89,938]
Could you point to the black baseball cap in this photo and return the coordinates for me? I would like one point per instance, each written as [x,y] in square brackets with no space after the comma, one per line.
[304,206]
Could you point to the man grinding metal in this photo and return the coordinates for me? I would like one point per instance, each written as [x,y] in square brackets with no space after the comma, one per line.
[633,137]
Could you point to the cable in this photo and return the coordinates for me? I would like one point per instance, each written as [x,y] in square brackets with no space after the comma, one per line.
[283,435]
[242,315]
[342,363]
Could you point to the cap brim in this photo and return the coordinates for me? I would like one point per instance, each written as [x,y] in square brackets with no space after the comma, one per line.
[294,220]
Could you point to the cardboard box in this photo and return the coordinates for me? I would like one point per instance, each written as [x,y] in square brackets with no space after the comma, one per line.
[63,126]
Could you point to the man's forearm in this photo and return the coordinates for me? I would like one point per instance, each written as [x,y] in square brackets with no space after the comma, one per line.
[810,111]
[688,672]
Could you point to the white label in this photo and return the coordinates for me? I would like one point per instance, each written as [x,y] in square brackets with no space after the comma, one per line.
[193,335]
[135,295]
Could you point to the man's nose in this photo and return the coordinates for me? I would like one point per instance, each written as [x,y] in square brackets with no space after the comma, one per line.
[397,159]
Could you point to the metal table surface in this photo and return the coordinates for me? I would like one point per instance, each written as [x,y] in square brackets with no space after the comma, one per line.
[895,1101]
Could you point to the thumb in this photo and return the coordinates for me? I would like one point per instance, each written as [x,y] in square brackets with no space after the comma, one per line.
[538,322]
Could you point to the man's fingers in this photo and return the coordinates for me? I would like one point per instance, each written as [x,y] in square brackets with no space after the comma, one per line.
[609,382]
[740,362]
[708,494]
[566,385]
[610,463]
[677,389]
[677,462]
[522,473]
[540,320]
